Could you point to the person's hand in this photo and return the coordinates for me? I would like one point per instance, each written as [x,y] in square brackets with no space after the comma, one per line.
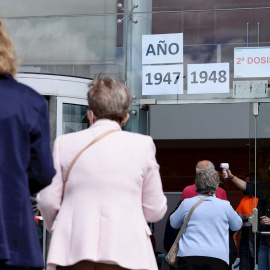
[230,175]
[265,220]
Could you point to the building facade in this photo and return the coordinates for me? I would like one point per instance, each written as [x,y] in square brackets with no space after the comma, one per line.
[63,44]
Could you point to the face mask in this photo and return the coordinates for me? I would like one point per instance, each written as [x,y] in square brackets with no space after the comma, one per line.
[269,171]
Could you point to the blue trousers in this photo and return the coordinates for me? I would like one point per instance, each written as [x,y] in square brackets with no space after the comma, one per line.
[264,257]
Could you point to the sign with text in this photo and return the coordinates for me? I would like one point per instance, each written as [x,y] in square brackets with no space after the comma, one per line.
[162,80]
[208,78]
[251,62]
[161,49]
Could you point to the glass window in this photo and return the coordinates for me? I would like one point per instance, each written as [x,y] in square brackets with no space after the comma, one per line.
[65,37]
[74,118]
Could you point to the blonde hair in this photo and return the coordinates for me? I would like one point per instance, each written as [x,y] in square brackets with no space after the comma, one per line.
[109,98]
[8,56]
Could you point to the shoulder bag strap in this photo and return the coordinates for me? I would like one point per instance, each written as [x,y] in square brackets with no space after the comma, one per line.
[188,217]
[78,155]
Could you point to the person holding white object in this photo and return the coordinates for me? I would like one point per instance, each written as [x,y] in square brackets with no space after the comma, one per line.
[263,194]
[113,190]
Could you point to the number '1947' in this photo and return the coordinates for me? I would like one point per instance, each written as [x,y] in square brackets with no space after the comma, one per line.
[158,78]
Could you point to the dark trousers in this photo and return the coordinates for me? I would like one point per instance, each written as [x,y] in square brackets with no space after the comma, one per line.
[87,265]
[246,258]
[3,266]
[201,263]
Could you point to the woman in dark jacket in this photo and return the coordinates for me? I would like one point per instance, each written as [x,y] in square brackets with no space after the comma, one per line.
[26,164]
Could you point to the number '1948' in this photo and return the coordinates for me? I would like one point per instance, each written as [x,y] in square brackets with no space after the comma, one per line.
[204,77]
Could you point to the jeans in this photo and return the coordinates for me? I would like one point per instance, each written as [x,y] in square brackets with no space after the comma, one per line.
[264,257]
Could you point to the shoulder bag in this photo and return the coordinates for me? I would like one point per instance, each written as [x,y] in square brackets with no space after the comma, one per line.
[78,155]
[171,257]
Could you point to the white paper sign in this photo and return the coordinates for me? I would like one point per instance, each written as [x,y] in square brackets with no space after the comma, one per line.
[161,49]
[208,78]
[250,62]
[162,80]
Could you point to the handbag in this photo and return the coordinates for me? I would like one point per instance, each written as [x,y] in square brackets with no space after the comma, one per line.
[172,257]
[78,155]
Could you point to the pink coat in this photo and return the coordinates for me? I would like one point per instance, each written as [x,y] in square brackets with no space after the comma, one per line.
[113,190]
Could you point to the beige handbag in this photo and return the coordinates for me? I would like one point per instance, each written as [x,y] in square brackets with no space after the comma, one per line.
[171,257]
[78,155]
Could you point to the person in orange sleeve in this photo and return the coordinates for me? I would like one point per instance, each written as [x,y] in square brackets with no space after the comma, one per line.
[244,209]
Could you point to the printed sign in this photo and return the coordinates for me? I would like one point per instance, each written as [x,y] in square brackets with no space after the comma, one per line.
[250,62]
[161,49]
[208,78]
[162,80]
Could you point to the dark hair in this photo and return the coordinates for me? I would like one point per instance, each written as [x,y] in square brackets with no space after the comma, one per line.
[251,177]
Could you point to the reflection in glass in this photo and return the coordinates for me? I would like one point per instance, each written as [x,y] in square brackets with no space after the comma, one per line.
[78,40]
[74,118]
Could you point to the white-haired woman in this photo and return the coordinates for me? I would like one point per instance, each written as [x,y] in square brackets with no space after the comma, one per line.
[204,244]
[113,190]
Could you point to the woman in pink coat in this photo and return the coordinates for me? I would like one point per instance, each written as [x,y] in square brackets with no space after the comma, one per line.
[113,190]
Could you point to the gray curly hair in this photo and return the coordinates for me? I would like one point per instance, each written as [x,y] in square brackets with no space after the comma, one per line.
[207,178]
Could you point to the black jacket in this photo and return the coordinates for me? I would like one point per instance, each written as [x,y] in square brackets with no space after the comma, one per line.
[26,166]
[263,194]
